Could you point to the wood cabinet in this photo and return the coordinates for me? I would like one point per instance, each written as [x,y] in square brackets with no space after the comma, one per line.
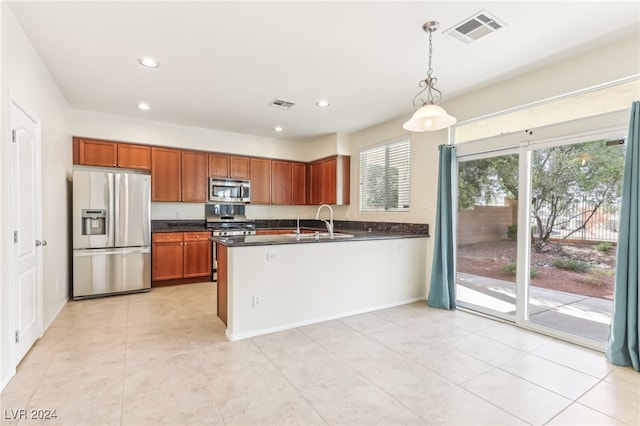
[197,254]
[101,153]
[90,152]
[218,165]
[239,167]
[132,156]
[281,183]
[330,181]
[166,174]
[288,182]
[194,176]
[229,166]
[177,256]
[178,175]
[260,181]
[298,183]
[166,256]
[315,183]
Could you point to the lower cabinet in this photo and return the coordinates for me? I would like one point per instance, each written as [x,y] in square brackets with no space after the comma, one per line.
[180,258]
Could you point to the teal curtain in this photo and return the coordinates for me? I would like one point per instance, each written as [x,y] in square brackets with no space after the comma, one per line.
[442,292]
[624,334]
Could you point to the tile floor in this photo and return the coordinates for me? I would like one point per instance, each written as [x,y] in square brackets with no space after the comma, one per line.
[162,358]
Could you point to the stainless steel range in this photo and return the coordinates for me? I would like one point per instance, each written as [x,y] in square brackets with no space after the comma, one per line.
[226,220]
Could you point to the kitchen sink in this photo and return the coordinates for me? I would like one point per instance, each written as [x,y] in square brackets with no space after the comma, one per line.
[319,236]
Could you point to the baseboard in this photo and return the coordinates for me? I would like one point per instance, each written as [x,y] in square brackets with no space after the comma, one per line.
[54,317]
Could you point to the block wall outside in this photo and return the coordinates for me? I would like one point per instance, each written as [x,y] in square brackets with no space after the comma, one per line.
[484,223]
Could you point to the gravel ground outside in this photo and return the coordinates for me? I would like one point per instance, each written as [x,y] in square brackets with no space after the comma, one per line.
[489,258]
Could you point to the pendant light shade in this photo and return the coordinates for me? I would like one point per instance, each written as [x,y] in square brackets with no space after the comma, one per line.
[430,116]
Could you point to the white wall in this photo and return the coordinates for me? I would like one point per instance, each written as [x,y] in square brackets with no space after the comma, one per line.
[311,282]
[24,74]
[595,67]
[103,126]
[112,127]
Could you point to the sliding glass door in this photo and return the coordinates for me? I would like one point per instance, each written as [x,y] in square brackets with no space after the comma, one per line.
[487,252]
[550,262]
[575,204]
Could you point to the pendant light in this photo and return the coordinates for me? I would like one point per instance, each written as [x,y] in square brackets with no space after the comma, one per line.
[430,116]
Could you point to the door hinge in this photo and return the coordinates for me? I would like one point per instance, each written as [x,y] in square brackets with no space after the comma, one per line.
[17,336]
[15,237]
[13,136]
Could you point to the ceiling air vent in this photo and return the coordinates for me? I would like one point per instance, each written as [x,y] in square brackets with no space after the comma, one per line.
[479,25]
[279,103]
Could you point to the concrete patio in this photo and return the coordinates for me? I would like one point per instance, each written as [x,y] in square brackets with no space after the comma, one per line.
[580,315]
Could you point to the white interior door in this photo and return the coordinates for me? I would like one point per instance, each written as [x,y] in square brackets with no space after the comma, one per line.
[26,219]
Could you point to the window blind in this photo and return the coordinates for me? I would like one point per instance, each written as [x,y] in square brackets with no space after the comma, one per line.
[385,177]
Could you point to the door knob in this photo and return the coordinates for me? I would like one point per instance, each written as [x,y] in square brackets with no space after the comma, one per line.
[41,243]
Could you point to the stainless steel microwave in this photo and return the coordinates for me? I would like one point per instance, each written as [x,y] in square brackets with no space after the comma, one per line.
[229,190]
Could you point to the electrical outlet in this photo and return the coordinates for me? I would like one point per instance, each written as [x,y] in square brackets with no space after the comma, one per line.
[257,300]
[272,256]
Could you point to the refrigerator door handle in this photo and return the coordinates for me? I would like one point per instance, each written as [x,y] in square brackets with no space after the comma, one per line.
[93,252]
[111,223]
[116,209]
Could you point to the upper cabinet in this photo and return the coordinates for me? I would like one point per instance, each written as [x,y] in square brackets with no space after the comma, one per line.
[239,167]
[288,182]
[298,183]
[330,181]
[194,174]
[281,183]
[166,174]
[183,175]
[95,152]
[260,181]
[229,166]
[218,165]
[134,156]
[178,175]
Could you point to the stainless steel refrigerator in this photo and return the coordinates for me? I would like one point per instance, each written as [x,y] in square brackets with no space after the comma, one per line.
[111,232]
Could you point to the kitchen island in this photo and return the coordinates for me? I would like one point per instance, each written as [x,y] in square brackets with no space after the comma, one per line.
[268,283]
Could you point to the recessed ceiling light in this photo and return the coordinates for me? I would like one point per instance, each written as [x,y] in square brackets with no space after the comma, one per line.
[278,129]
[149,62]
[322,103]
[143,106]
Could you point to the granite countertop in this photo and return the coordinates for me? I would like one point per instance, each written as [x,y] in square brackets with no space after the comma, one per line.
[361,231]
[358,235]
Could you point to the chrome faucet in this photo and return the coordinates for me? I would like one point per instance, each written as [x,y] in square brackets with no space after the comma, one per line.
[330,223]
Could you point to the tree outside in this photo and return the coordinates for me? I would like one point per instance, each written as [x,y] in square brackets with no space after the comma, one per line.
[570,184]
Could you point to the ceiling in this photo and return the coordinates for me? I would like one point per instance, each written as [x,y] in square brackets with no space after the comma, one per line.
[222,63]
